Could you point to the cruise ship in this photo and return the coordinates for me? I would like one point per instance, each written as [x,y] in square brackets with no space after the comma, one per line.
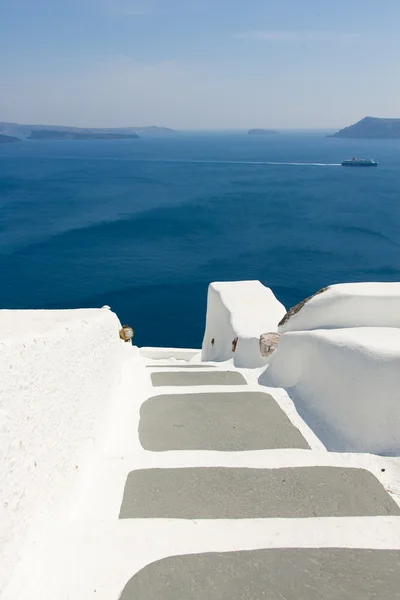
[359,162]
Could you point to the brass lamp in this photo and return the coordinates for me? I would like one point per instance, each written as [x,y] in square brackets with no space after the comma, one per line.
[126,333]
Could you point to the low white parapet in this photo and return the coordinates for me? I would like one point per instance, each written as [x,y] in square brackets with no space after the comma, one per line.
[59,371]
[346,305]
[238,313]
[345,383]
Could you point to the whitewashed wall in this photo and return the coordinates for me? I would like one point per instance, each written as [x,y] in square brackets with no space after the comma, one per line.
[345,383]
[58,372]
[242,311]
[349,305]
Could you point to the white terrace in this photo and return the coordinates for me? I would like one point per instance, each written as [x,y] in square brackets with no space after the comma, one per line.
[178,474]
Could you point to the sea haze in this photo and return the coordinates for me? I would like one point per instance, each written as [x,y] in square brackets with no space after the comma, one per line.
[144,225]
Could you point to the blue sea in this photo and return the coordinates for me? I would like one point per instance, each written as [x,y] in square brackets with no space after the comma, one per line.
[145,225]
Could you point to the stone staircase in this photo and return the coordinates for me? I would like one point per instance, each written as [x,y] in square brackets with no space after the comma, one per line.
[210,486]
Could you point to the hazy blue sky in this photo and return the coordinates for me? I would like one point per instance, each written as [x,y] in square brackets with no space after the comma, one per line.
[199,63]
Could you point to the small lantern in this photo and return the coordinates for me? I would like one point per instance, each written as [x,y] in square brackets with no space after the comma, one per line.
[126,333]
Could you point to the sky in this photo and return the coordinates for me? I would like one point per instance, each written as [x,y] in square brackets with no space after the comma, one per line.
[199,64]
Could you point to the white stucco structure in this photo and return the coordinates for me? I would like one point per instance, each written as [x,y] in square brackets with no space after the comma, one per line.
[345,383]
[58,372]
[241,311]
[73,427]
[90,553]
[349,305]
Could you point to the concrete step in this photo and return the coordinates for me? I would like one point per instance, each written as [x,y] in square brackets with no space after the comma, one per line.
[216,421]
[290,574]
[193,379]
[239,493]
[106,560]
[180,366]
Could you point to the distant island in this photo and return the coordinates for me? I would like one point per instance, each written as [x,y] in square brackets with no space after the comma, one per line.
[371,128]
[8,139]
[263,132]
[25,131]
[54,134]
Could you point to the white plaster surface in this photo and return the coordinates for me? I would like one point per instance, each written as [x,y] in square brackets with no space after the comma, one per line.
[91,554]
[349,305]
[69,416]
[58,372]
[112,552]
[242,310]
[175,354]
[345,383]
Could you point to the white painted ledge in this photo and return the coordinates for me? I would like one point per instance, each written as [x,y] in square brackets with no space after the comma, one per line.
[241,311]
[349,305]
[345,383]
[58,372]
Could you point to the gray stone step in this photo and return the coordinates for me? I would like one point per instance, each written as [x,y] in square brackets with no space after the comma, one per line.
[216,421]
[193,378]
[239,493]
[278,574]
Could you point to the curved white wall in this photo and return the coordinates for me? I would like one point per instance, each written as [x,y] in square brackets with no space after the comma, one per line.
[345,384]
[349,305]
[242,310]
[58,371]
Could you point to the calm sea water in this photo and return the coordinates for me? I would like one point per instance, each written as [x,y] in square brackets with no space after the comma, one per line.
[145,225]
